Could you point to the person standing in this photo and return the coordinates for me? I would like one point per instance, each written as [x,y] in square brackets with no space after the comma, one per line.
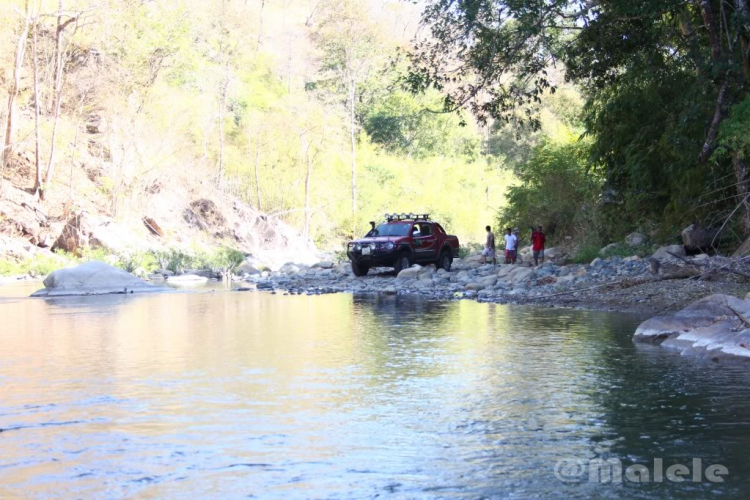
[489,247]
[538,240]
[510,246]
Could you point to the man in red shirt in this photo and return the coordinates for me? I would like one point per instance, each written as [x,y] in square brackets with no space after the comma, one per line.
[537,244]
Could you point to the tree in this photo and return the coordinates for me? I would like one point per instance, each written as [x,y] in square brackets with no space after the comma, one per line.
[350,45]
[64,20]
[14,85]
[672,67]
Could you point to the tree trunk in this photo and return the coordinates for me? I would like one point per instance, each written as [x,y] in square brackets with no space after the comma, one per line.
[743,189]
[13,92]
[222,109]
[38,190]
[59,69]
[352,126]
[257,177]
[260,26]
[713,129]
[308,175]
[713,32]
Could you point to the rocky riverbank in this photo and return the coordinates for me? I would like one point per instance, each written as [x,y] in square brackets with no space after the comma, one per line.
[650,286]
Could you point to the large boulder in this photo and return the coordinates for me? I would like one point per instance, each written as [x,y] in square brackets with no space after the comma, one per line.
[714,327]
[664,253]
[77,234]
[93,278]
[695,237]
[635,240]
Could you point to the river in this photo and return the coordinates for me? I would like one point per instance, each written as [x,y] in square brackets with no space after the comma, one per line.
[225,394]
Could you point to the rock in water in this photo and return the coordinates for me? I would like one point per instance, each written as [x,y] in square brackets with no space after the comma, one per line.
[714,327]
[93,278]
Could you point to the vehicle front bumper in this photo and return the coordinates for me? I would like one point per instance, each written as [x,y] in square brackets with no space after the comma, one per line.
[376,257]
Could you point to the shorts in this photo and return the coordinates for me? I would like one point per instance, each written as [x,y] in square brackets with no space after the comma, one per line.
[488,252]
[510,255]
[538,254]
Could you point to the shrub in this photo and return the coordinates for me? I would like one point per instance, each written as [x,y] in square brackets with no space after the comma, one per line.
[37,266]
[558,191]
[130,262]
[224,259]
[172,259]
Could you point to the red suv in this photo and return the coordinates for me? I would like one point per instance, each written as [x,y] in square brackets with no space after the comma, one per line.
[402,241]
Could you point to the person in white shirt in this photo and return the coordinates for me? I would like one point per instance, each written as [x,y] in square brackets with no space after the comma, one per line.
[510,246]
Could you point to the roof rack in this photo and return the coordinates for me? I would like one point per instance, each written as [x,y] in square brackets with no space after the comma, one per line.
[411,216]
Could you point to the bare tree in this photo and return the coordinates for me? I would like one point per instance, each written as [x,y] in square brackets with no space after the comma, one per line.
[350,43]
[59,82]
[222,112]
[13,92]
[38,191]
[256,162]
[310,150]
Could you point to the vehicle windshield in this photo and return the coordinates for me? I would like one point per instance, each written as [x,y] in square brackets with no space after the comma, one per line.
[390,230]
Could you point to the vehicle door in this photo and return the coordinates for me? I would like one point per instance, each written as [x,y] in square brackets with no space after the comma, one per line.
[425,243]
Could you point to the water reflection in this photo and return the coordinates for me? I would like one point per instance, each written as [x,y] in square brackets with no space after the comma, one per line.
[236,394]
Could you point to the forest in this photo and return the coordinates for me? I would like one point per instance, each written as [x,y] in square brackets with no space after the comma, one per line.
[592,118]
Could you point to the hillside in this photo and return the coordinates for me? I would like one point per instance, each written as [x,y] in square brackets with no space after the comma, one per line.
[286,114]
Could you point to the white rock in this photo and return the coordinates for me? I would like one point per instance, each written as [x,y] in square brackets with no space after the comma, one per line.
[93,278]
[663,252]
[710,328]
[412,272]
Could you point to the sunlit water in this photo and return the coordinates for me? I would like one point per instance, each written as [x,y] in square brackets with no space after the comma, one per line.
[236,395]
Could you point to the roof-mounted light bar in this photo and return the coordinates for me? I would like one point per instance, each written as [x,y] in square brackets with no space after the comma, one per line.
[411,216]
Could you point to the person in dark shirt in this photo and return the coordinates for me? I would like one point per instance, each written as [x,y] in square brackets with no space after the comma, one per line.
[489,247]
[537,244]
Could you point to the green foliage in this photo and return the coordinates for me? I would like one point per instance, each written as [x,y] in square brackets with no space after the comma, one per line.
[172,259]
[37,266]
[557,191]
[468,249]
[415,126]
[655,73]
[733,136]
[585,254]
[132,261]
[223,259]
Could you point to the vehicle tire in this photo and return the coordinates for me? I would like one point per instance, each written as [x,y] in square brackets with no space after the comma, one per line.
[445,261]
[359,270]
[402,262]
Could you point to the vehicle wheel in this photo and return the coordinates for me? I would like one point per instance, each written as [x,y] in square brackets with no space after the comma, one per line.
[403,262]
[445,261]
[359,270]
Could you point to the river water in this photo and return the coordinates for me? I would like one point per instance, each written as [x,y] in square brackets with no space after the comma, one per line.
[252,395]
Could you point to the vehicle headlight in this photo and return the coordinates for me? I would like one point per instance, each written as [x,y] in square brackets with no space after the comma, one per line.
[357,246]
[389,245]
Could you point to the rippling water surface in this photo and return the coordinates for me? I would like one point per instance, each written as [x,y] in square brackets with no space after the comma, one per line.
[237,395]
